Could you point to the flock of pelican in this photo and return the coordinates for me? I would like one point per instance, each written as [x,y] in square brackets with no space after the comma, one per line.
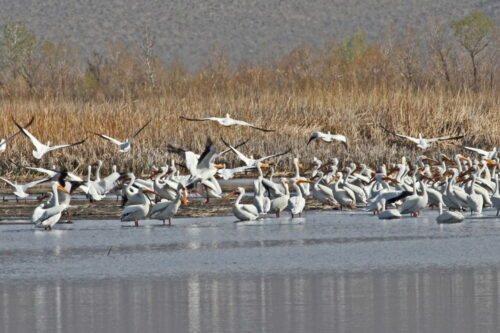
[456,184]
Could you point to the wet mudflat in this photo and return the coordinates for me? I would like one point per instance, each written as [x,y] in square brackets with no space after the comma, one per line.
[330,271]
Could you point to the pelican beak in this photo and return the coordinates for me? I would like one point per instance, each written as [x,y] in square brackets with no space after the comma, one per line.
[310,140]
[185,200]
[462,158]
[218,166]
[300,165]
[357,169]
[491,162]
[62,189]
[391,180]
[430,160]
[263,165]
[147,190]
[230,195]
[300,181]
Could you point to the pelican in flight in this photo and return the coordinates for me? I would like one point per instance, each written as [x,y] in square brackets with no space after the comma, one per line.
[3,142]
[488,154]
[328,137]
[228,121]
[250,161]
[42,149]
[421,142]
[20,189]
[123,145]
[54,175]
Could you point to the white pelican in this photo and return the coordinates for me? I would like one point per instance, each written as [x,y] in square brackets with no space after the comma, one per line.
[226,173]
[165,188]
[474,200]
[243,212]
[3,142]
[139,211]
[108,183]
[92,188]
[344,196]
[488,154]
[20,189]
[279,203]
[167,209]
[415,202]
[388,214]
[124,146]
[275,190]
[54,175]
[297,203]
[421,142]
[327,137]
[323,193]
[42,149]
[305,186]
[228,121]
[260,201]
[495,198]
[52,215]
[38,212]
[448,217]
[250,161]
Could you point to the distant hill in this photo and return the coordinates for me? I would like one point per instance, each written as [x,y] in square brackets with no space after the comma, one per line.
[188,30]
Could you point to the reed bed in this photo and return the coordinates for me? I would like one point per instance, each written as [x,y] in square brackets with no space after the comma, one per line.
[293,114]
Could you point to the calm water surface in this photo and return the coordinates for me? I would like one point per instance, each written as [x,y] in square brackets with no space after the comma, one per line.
[328,272]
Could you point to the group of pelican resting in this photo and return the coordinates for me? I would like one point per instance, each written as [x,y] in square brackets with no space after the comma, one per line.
[459,184]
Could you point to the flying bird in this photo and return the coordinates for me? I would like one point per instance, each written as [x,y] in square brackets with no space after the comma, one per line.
[327,137]
[228,121]
[20,190]
[123,145]
[488,154]
[3,143]
[42,149]
[250,161]
[422,143]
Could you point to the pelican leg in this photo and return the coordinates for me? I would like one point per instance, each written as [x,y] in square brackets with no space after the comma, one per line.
[169,221]
[277,213]
[163,222]
[498,212]
[136,223]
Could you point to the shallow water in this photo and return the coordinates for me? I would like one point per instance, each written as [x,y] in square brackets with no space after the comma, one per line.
[329,271]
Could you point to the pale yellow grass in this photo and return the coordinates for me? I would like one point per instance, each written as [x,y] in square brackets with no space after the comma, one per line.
[294,114]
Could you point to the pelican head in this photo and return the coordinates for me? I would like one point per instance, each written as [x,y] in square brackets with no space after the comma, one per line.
[314,136]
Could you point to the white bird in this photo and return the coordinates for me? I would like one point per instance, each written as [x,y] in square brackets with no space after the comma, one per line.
[139,211]
[54,175]
[488,154]
[327,137]
[3,142]
[448,217]
[421,142]
[38,212]
[20,189]
[474,201]
[250,161]
[228,121]
[42,149]
[124,146]
[279,203]
[297,203]
[244,212]
[344,196]
[495,198]
[388,214]
[415,202]
[323,193]
[167,209]
[52,215]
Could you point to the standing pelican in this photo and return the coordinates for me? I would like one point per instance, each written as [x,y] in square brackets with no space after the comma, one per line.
[52,215]
[124,146]
[297,203]
[243,212]
[495,199]
[415,202]
[279,203]
[474,200]
[167,209]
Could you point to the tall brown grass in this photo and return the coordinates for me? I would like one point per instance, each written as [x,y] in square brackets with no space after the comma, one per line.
[307,90]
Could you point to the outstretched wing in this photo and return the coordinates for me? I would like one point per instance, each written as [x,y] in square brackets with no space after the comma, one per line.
[206,157]
[7,181]
[66,145]
[6,140]
[38,145]
[341,138]
[198,119]
[242,157]
[140,129]
[35,183]
[477,150]
[274,155]
[445,138]
[105,137]
[244,123]
[237,146]
[415,140]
